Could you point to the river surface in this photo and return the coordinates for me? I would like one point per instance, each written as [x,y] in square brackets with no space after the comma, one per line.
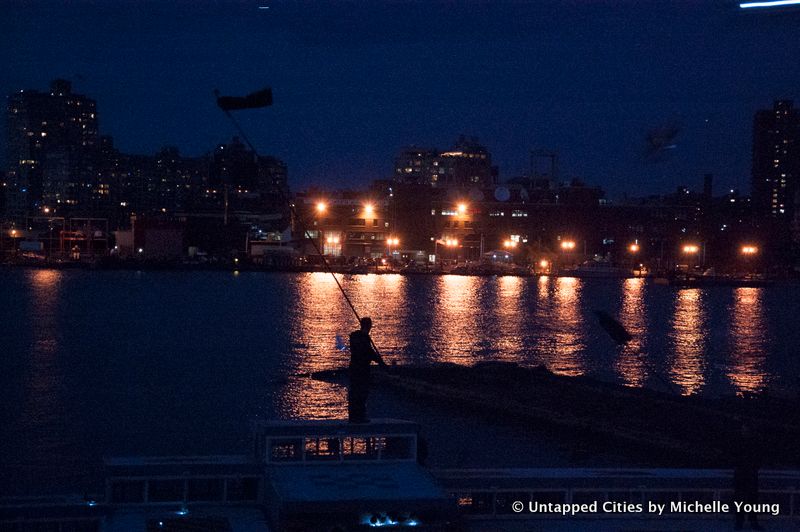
[111,363]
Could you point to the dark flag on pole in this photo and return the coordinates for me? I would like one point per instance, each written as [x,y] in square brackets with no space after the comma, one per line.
[262,98]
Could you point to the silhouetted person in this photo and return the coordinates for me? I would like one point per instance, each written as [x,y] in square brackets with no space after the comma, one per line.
[362,354]
[745,475]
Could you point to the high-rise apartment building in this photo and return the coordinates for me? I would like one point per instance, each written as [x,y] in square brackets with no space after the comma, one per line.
[467,164]
[776,161]
[251,182]
[52,150]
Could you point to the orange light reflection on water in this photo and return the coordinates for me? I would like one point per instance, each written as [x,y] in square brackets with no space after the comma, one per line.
[688,338]
[473,316]
[508,342]
[748,346]
[455,330]
[43,404]
[630,363]
[45,287]
[383,298]
[567,358]
[320,315]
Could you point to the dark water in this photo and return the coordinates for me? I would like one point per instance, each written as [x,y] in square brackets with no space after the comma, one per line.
[100,363]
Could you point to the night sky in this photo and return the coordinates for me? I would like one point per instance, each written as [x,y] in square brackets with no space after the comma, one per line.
[354,82]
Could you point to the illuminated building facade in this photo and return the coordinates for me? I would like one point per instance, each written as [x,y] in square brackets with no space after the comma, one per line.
[345,223]
[52,150]
[58,165]
[467,164]
[776,160]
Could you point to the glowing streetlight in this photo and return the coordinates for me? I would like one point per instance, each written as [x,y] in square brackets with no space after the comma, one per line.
[691,249]
[634,248]
[462,208]
[321,207]
[568,245]
[13,233]
[446,242]
[749,250]
[332,240]
[543,264]
[369,209]
[46,210]
[393,241]
[509,244]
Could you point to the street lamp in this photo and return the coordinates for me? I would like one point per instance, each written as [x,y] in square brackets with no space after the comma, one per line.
[446,242]
[749,250]
[321,207]
[634,248]
[369,209]
[544,266]
[509,244]
[462,208]
[390,243]
[691,249]
[567,246]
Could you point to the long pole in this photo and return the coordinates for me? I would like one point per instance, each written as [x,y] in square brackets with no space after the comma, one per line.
[297,216]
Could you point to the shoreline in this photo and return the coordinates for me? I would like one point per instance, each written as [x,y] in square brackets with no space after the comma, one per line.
[249,267]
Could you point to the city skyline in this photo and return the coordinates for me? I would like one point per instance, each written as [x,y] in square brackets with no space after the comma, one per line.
[540,168]
[354,84]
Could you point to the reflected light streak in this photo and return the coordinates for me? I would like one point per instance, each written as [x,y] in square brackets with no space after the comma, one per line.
[453,335]
[541,287]
[748,341]
[320,314]
[688,339]
[630,362]
[42,411]
[568,326]
[45,288]
[383,298]
[509,310]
